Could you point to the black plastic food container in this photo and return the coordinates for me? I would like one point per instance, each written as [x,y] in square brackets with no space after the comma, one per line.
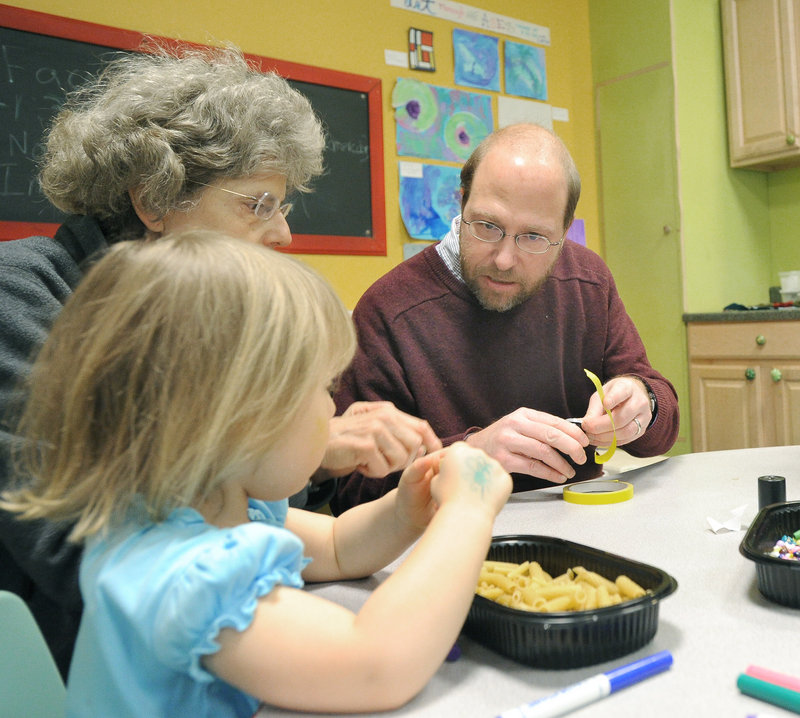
[568,639]
[778,578]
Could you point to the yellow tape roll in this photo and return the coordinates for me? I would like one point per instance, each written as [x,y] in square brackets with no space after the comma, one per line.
[603,491]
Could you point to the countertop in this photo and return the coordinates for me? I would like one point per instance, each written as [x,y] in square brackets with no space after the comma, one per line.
[750,315]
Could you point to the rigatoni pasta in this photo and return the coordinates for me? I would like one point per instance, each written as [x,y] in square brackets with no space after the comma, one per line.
[528,587]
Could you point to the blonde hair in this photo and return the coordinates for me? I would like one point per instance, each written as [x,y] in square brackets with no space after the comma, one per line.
[174,367]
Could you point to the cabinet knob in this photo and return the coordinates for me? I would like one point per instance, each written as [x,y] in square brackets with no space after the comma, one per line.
[750,374]
[776,375]
[790,139]
[761,340]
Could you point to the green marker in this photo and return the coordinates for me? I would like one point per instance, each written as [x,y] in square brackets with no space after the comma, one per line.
[769,692]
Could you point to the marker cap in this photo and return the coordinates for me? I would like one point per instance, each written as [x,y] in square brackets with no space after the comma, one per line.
[638,670]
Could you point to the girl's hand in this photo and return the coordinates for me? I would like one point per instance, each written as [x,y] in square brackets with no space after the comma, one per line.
[414,504]
[456,473]
[467,474]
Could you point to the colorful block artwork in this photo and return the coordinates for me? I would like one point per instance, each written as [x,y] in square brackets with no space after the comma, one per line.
[420,50]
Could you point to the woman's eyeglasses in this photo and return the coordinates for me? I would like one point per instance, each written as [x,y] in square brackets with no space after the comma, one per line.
[264,207]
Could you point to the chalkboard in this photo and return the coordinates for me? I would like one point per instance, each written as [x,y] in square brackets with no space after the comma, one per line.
[336,203]
[43,56]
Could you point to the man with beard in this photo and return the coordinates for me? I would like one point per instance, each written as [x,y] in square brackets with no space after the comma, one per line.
[487,334]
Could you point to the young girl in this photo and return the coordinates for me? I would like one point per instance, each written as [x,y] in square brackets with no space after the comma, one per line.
[180,398]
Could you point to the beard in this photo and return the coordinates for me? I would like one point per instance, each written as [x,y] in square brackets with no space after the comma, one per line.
[500,301]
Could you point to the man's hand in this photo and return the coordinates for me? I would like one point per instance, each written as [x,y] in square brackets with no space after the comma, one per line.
[529,441]
[376,438]
[627,399]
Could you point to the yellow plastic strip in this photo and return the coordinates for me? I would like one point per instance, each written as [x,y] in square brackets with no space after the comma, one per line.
[598,492]
[602,458]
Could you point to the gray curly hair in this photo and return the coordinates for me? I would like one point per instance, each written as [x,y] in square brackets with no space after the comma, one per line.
[165,120]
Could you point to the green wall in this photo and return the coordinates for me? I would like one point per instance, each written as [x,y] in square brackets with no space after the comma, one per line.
[726,214]
[741,227]
[738,228]
[638,179]
[784,209]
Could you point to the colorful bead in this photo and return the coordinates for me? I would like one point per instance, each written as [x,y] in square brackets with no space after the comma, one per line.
[787,548]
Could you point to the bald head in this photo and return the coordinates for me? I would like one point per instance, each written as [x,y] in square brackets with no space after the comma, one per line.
[535,143]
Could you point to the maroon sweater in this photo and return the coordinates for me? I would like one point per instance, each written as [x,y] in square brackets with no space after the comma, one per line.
[426,345]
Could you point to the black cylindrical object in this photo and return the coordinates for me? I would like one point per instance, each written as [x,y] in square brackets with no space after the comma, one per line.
[771,490]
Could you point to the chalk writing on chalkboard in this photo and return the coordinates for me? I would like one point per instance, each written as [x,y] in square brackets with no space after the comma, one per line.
[337,204]
[344,214]
[33,81]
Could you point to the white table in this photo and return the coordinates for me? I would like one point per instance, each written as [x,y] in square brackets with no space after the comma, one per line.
[715,624]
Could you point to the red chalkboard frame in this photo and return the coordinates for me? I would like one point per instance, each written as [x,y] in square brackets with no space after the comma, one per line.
[70,29]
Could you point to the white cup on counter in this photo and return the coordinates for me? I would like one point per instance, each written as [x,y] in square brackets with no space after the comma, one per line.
[790,285]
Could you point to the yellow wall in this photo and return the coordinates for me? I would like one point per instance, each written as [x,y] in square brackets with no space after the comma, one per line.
[351,36]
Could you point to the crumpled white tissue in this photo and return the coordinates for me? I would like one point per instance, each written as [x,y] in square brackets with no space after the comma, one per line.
[733,523]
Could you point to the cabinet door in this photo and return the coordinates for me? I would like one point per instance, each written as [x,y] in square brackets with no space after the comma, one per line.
[786,391]
[727,407]
[761,80]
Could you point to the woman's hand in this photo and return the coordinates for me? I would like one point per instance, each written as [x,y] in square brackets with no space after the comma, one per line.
[376,438]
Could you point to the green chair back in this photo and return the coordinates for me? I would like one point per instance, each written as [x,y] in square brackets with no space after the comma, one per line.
[30,684]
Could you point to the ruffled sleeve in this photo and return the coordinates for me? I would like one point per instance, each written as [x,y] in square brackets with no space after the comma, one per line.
[219,586]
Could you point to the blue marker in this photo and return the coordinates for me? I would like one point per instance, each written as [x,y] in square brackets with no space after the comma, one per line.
[592,689]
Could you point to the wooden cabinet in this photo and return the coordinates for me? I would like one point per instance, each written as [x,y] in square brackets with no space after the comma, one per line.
[762,73]
[744,382]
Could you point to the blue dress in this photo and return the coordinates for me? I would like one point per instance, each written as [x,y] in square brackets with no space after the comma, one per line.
[156,596]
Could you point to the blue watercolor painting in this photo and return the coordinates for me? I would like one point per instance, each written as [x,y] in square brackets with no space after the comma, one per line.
[439,122]
[428,204]
[477,60]
[525,72]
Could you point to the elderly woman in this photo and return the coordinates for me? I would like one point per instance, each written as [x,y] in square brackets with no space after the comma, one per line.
[161,141]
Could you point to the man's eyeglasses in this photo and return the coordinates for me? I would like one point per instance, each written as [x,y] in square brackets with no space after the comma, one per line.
[527,242]
[264,207]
